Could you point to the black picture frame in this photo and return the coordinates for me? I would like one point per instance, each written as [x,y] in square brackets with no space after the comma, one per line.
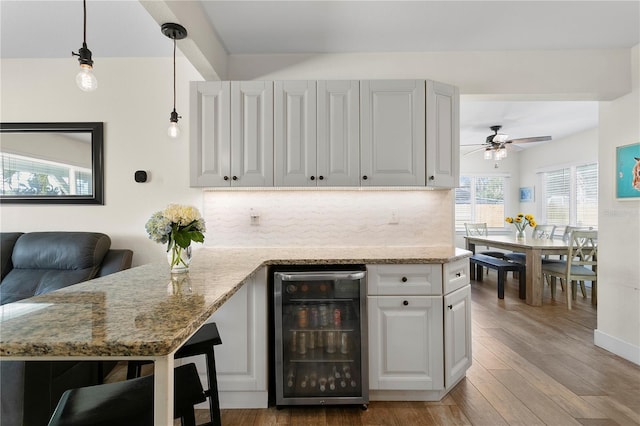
[96,132]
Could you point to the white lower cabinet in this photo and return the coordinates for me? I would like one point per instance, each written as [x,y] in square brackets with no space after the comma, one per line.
[457,335]
[241,359]
[405,342]
[419,344]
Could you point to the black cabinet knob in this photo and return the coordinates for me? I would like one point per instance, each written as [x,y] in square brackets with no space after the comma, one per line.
[459,274]
[321,177]
[432,178]
[364,177]
[235,178]
[405,302]
[450,306]
[312,178]
[226,178]
[404,279]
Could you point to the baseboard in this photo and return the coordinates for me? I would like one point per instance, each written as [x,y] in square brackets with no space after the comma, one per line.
[619,347]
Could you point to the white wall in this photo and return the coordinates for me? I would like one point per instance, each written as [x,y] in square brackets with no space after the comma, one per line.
[134,100]
[619,230]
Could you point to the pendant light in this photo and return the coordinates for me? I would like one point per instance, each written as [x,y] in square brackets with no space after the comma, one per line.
[85,79]
[174,32]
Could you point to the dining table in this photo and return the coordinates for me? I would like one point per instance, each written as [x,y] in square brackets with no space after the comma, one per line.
[533,248]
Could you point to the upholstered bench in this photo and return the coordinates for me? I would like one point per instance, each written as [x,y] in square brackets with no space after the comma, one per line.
[502,266]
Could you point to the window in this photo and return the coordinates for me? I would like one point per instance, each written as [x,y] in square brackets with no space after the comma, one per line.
[481,199]
[570,196]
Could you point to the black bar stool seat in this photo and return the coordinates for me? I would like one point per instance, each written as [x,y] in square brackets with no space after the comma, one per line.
[129,402]
[201,343]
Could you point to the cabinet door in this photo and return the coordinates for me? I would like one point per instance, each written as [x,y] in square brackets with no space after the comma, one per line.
[443,135]
[251,133]
[338,133]
[295,133]
[405,343]
[392,132]
[210,144]
[241,360]
[457,334]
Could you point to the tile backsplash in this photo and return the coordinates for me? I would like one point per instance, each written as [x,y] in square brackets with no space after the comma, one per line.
[322,218]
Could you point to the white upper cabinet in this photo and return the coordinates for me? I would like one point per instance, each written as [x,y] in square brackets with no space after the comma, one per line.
[317,135]
[443,135]
[251,133]
[231,133]
[338,153]
[392,144]
[324,133]
[210,145]
[295,133]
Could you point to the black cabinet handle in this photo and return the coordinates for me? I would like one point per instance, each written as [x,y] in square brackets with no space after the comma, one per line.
[312,178]
[364,177]
[432,178]
[226,178]
[321,177]
[459,274]
[235,178]
[405,302]
[450,306]
[404,279]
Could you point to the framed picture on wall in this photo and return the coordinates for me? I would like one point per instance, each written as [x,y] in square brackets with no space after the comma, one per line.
[527,194]
[628,172]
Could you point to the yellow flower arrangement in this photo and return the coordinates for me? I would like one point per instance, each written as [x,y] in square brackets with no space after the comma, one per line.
[521,221]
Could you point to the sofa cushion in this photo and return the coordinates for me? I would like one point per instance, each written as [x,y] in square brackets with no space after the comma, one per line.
[7,241]
[47,261]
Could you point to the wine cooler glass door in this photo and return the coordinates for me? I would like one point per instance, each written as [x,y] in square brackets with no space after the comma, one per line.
[320,335]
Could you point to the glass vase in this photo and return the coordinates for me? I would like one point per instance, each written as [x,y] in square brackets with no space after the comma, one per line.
[179,258]
[520,235]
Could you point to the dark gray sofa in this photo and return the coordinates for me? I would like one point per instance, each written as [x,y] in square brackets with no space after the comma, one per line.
[35,263]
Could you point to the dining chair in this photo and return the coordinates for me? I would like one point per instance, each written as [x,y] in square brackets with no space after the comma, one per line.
[481,230]
[581,264]
[566,235]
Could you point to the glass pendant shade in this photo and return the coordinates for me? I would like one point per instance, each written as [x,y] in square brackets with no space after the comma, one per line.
[85,79]
[488,154]
[174,130]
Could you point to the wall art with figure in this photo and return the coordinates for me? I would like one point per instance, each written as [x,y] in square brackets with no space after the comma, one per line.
[628,171]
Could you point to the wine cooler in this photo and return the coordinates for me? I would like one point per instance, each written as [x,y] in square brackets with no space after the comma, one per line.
[321,337]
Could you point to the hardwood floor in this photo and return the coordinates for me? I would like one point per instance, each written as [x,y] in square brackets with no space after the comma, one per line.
[531,366]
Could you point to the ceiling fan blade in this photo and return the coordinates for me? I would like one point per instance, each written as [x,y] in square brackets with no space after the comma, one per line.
[475,150]
[527,140]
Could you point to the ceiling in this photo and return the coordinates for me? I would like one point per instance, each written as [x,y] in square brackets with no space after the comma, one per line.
[52,29]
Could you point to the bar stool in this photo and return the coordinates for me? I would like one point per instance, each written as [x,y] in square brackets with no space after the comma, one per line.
[129,402]
[201,343]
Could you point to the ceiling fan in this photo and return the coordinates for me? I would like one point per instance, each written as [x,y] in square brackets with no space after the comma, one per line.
[495,146]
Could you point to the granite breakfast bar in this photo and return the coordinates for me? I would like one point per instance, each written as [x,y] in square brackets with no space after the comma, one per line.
[145,313]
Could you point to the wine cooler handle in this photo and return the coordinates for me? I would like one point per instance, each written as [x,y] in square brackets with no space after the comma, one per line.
[322,276]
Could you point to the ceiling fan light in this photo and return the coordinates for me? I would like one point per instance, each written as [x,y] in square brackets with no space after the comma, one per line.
[488,154]
[500,154]
[500,138]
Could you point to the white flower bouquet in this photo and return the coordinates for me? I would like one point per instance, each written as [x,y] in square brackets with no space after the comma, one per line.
[177,226]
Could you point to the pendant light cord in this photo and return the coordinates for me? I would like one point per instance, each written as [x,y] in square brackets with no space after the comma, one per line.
[84,34]
[174,74]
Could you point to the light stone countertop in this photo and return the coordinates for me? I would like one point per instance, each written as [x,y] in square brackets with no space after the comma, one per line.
[145,311]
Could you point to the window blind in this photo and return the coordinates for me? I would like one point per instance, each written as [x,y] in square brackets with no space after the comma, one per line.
[570,196]
[480,199]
